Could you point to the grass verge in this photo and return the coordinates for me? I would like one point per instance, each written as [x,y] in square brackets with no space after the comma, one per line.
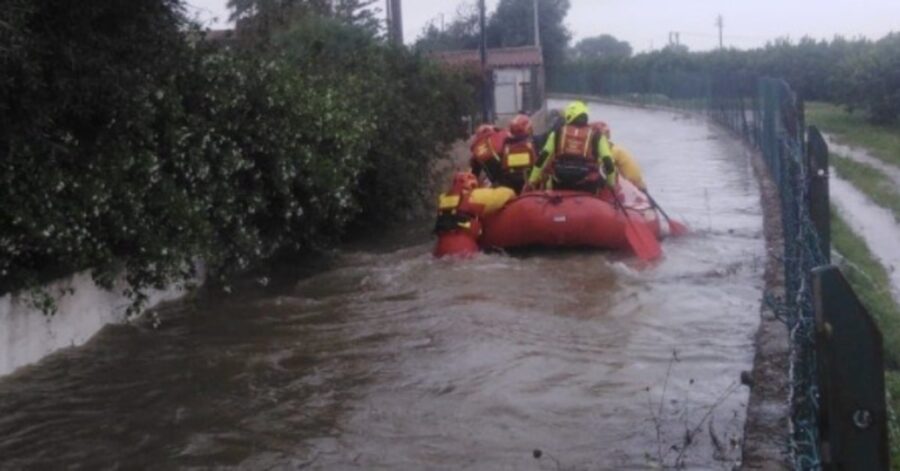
[870,281]
[882,141]
[870,181]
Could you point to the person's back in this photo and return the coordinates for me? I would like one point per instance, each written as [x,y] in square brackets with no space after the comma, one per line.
[518,155]
[485,150]
[573,155]
[459,214]
[574,159]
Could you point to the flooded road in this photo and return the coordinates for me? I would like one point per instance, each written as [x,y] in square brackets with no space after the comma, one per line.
[876,225]
[388,359]
[863,156]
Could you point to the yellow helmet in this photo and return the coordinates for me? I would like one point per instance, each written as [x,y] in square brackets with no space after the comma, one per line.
[574,110]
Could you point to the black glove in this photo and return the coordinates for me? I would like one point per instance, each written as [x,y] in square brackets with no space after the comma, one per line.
[609,167]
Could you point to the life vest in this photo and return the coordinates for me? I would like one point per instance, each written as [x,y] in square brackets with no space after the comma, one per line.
[518,156]
[576,142]
[482,150]
[575,160]
[457,213]
[485,148]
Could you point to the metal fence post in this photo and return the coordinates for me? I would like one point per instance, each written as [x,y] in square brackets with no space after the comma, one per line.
[852,413]
[817,181]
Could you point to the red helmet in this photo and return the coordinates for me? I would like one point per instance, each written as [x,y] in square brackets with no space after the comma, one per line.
[520,126]
[484,130]
[463,182]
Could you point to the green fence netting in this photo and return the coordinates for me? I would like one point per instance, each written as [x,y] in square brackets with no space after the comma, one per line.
[776,127]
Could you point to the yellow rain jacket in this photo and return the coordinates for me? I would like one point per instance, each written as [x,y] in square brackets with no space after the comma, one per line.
[627,166]
[493,199]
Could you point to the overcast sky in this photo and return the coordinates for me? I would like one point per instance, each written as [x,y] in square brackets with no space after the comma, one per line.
[646,23]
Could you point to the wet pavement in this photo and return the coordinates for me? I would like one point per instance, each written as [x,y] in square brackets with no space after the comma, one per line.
[388,359]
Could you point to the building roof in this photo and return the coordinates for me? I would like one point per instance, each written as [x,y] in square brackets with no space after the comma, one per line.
[496,58]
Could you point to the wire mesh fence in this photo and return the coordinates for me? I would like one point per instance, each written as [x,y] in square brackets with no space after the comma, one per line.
[780,135]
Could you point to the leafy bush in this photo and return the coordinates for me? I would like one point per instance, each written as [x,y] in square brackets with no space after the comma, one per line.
[870,80]
[416,108]
[125,142]
[83,181]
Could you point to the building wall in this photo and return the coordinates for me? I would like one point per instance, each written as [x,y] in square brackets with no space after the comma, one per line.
[83,308]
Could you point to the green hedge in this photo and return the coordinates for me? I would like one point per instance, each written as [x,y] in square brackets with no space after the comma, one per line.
[126,142]
[415,107]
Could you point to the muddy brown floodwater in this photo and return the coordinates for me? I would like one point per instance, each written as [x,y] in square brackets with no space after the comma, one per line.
[388,359]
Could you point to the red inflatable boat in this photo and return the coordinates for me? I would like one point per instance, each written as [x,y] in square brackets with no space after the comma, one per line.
[568,219]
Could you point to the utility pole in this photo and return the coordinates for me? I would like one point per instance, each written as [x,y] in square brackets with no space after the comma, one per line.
[674,38]
[720,22]
[395,21]
[537,26]
[485,81]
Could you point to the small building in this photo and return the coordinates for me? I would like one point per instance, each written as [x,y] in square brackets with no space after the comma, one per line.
[517,75]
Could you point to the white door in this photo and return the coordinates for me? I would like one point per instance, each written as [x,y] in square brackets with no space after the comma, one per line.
[506,99]
[508,90]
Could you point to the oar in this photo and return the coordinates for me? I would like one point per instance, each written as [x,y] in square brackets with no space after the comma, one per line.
[675,227]
[642,241]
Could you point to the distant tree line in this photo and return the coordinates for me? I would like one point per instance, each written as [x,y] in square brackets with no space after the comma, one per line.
[128,141]
[860,74]
[604,46]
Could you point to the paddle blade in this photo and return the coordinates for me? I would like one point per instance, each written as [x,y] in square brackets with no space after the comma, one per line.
[676,228]
[642,241]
